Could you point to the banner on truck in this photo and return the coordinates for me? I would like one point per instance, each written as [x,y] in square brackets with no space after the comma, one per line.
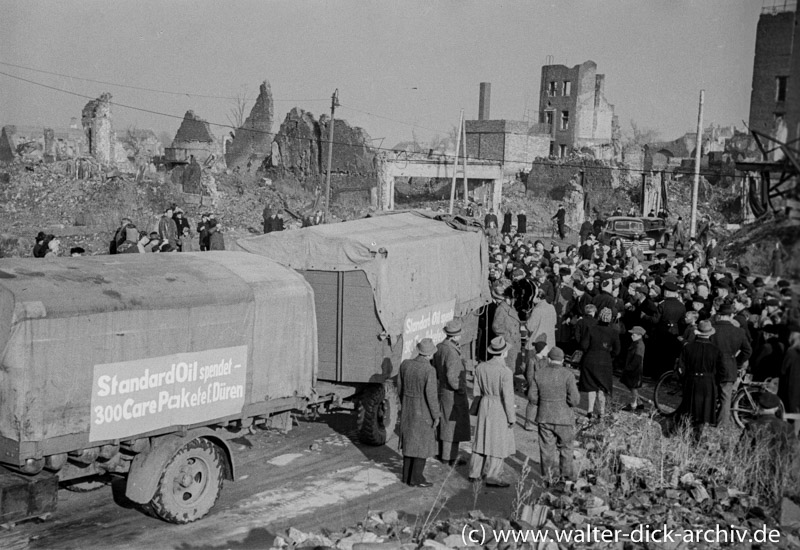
[134,397]
[427,322]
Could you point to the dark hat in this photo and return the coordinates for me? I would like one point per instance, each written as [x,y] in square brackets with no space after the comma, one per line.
[638,330]
[772,302]
[453,327]
[40,236]
[556,354]
[699,299]
[426,347]
[705,329]
[783,283]
[498,346]
[725,309]
[661,256]
[768,400]
[539,346]
[671,287]
[758,282]
[76,250]
[580,287]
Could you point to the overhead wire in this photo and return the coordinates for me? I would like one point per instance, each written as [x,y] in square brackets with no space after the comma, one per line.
[441,156]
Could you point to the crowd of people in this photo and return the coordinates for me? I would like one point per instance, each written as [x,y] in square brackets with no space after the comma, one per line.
[605,311]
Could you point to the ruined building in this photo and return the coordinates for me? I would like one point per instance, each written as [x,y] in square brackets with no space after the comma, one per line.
[253,141]
[96,119]
[771,69]
[300,151]
[38,143]
[194,137]
[515,143]
[572,102]
[793,92]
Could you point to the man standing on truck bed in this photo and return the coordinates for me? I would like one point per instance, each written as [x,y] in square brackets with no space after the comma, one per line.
[453,402]
[416,387]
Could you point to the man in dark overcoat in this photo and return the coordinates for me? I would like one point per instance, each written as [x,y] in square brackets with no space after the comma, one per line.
[790,372]
[666,344]
[736,350]
[560,217]
[555,395]
[703,370]
[416,387]
[451,372]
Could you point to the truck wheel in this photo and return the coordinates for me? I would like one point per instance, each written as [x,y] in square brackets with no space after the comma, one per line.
[190,484]
[377,413]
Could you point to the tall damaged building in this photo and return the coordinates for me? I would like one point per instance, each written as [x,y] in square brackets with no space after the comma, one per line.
[96,120]
[300,150]
[252,142]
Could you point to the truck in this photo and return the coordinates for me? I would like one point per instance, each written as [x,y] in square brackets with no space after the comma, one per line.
[142,367]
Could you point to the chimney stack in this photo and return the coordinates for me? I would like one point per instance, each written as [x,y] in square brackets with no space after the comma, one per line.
[485,100]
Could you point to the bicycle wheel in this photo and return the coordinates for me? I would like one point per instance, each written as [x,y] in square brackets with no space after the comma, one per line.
[744,407]
[668,393]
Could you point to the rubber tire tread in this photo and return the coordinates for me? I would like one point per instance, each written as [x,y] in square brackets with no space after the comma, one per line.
[159,507]
[370,432]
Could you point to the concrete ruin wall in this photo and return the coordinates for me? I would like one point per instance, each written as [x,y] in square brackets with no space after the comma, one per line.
[8,146]
[96,119]
[300,151]
[772,59]
[515,143]
[252,142]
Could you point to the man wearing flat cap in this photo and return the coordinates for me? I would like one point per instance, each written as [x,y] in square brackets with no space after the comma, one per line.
[419,417]
[494,426]
[736,351]
[554,394]
[451,372]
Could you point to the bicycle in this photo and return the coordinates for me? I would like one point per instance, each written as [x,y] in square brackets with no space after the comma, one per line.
[668,395]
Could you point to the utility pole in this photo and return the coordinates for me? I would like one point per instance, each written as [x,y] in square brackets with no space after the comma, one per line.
[334,104]
[455,163]
[697,155]
[464,145]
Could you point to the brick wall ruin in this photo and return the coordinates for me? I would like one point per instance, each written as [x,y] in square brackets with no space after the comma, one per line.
[252,142]
[96,119]
[300,151]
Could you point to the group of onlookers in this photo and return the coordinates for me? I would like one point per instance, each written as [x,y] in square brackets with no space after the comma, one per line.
[173,234]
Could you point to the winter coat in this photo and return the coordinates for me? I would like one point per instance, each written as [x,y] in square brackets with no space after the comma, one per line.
[542,325]
[789,389]
[168,231]
[506,324]
[731,340]
[680,232]
[494,387]
[555,394]
[703,371]
[506,223]
[522,223]
[416,387]
[600,346]
[634,364]
[216,241]
[453,402]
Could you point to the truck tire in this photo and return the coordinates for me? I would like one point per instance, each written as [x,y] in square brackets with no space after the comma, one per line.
[190,484]
[377,413]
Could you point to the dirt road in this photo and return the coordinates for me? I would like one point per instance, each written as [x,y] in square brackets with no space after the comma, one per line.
[315,477]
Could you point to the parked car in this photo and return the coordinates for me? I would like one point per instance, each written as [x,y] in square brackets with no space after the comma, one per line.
[631,231]
[655,228]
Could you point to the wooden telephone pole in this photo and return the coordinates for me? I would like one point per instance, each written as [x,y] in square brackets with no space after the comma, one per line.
[697,157]
[334,104]
[455,163]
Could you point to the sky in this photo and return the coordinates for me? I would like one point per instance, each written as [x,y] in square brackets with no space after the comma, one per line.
[403,68]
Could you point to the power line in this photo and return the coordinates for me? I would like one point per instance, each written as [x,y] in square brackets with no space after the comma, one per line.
[442,157]
[140,88]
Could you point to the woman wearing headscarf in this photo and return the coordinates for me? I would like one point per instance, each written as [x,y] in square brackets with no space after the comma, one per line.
[600,344]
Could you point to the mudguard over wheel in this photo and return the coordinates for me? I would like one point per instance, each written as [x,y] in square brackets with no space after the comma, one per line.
[377,413]
[190,484]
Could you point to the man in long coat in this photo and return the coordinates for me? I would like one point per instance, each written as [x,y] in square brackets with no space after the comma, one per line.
[790,372]
[679,235]
[416,387]
[703,368]
[555,394]
[542,321]
[453,403]
[494,427]
[506,323]
[732,342]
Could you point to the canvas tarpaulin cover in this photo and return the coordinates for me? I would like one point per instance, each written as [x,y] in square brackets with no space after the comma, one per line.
[410,259]
[61,318]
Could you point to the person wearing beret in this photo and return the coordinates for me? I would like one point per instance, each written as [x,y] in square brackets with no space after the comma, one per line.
[736,350]
[451,372]
[767,429]
[420,413]
[495,416]
[703,371]
[553,395]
